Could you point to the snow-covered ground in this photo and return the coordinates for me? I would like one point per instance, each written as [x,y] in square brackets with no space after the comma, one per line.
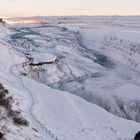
[84,83]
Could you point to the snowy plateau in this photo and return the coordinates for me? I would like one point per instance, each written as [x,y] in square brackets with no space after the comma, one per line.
[70,78]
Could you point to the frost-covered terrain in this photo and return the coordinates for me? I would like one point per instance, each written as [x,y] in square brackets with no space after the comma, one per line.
[72,78]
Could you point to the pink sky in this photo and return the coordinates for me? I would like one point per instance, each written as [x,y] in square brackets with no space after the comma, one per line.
[69,7]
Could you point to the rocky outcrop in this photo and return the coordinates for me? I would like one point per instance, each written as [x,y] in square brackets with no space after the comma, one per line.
[137,136]
[2,21]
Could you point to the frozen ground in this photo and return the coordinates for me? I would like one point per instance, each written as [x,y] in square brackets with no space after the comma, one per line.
[73,77]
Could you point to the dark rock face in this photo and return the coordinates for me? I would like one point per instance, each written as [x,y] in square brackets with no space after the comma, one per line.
[1,135]
[41,63]
[1,21]
[137,136]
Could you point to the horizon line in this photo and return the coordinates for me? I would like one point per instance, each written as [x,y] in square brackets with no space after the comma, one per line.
[115,15]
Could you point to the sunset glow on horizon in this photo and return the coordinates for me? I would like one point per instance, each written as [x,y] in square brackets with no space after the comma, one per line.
[68,7]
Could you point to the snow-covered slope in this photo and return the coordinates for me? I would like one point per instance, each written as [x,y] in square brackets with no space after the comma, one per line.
[70,117]
[9,58]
